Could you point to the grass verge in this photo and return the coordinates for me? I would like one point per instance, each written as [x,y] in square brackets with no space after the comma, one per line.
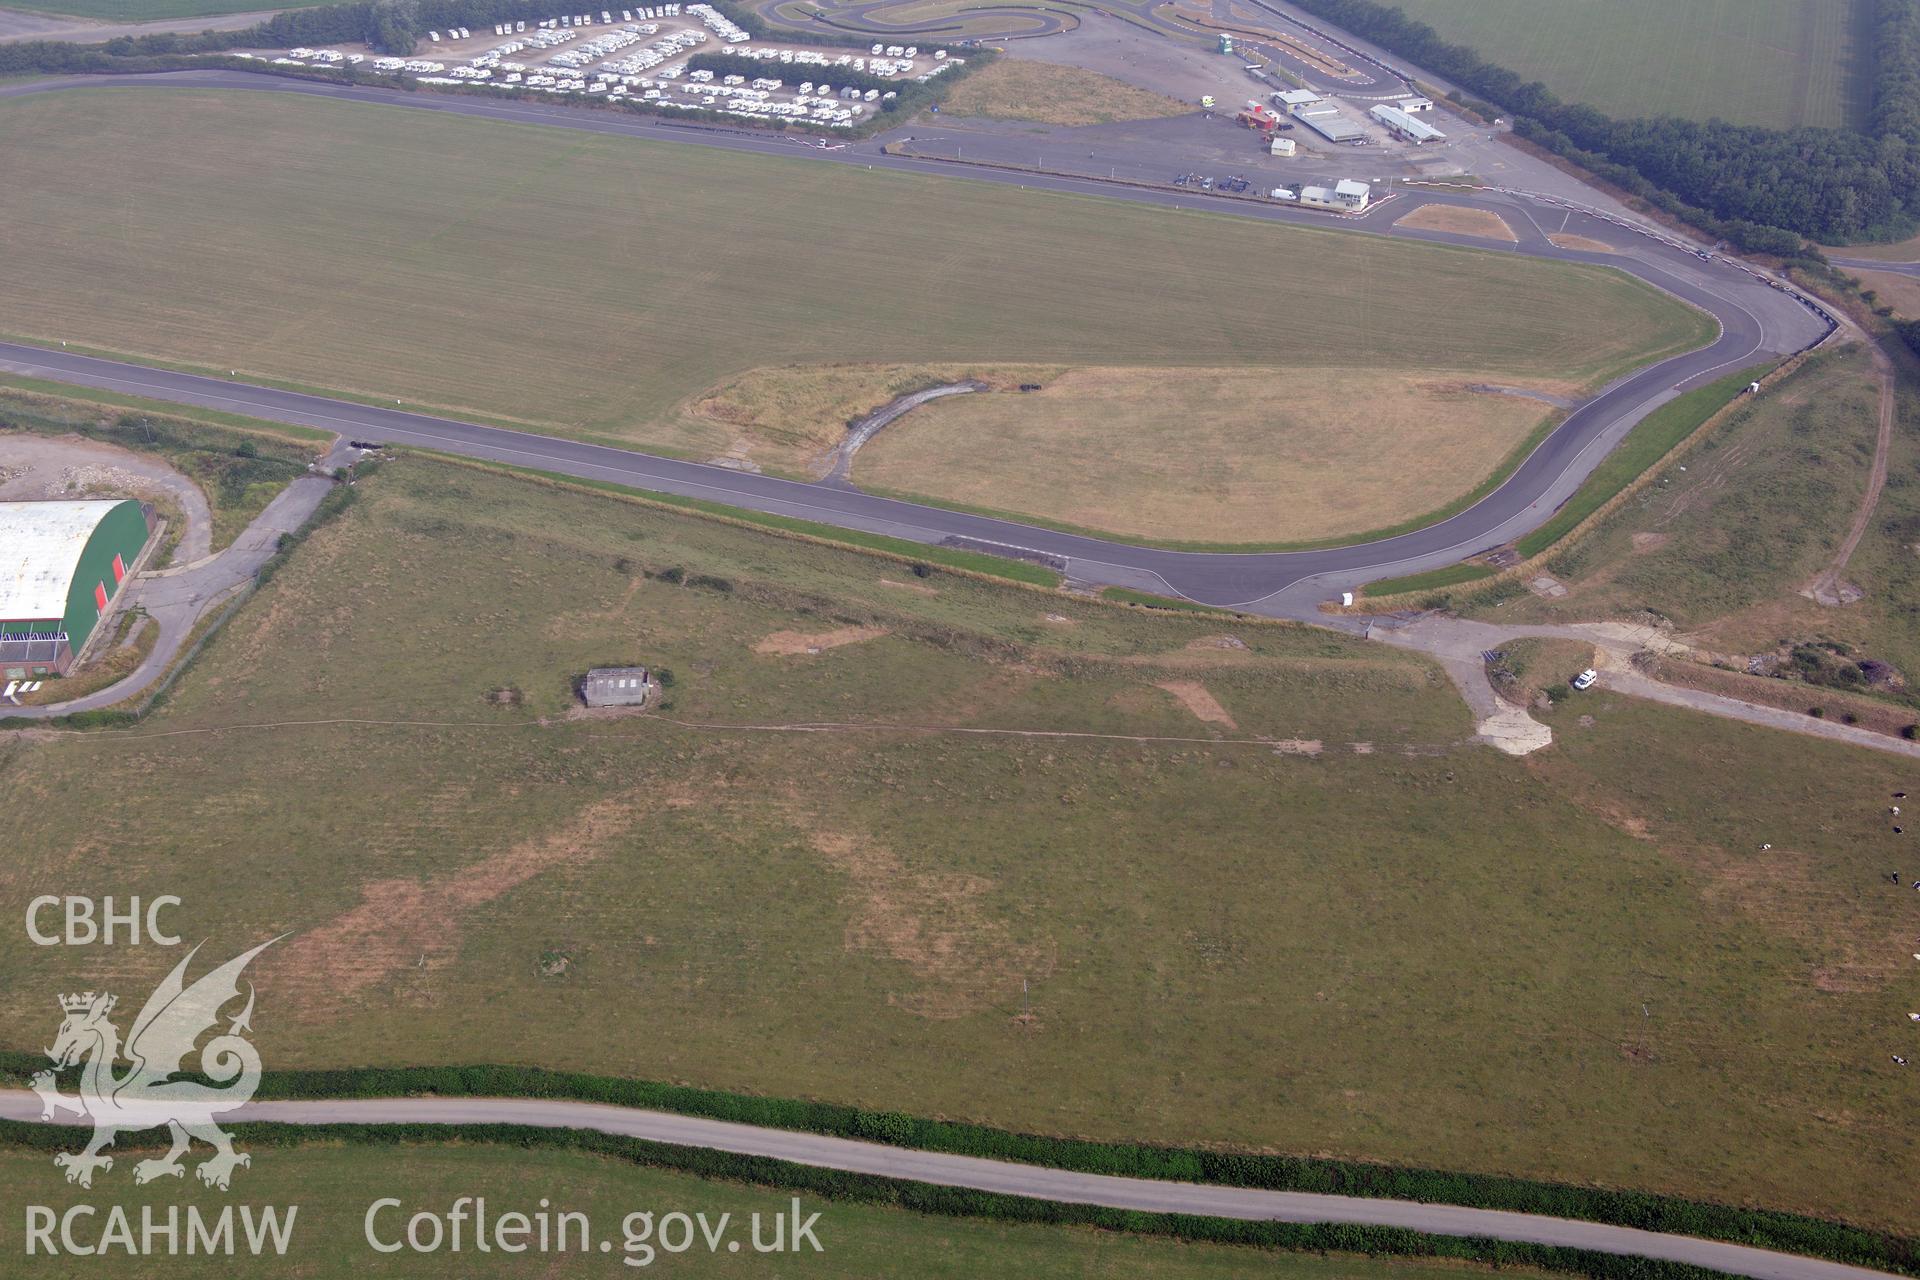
[1032,575]
[1450,576]
[1657,434]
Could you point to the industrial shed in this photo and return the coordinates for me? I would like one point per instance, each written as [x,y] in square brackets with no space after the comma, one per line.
[61,565]
[1417,132]
[1331,125]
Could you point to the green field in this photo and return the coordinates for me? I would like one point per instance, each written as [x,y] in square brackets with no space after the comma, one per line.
[596,285]
[1763,62]
[333,1185]
[1223,924]
[126,11]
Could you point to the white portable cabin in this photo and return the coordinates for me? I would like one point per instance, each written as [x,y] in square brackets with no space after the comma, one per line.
[434,36]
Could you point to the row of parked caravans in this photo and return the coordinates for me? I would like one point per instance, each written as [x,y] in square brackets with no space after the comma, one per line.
[813,58]
[572,20]
[718,23]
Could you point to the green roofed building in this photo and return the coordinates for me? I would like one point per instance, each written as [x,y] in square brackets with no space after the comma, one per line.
[61,565]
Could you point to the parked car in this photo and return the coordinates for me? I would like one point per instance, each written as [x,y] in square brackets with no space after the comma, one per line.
[1585,679]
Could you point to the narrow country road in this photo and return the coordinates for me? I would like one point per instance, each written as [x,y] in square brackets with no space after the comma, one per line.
[1035,1181]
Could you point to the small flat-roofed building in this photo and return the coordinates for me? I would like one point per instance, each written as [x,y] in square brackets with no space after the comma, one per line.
[616,687]
[1411,105]
[1298,99]
[1344,196]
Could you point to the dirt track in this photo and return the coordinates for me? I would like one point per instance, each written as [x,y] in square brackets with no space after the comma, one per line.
[1830,588]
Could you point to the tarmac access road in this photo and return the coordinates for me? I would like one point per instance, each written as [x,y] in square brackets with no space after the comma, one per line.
[1871,264]
[1033,1181]
[1756,322]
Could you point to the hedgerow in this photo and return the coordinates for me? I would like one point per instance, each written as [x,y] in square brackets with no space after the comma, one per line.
[931,1198]
[1791,1233]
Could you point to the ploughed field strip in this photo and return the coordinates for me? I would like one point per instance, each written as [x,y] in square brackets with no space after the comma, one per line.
[1778,63]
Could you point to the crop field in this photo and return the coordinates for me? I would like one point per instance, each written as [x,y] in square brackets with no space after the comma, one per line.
[1237,455]
[1765,62]
[597,285]
[1281,905]
[334,1184]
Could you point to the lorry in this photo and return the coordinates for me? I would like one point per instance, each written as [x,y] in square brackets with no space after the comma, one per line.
[1255,116]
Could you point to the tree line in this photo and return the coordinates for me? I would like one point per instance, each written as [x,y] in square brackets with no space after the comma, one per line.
[1752,183]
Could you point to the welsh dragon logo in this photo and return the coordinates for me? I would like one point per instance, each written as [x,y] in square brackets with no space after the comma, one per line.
[145,1095]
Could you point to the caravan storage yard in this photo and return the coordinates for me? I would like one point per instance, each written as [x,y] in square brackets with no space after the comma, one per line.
[641,55]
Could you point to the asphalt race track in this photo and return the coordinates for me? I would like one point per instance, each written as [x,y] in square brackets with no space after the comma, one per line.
[1757,322]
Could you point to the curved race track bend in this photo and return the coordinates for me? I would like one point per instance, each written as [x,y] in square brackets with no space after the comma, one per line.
[1038,1182]
[1756,323]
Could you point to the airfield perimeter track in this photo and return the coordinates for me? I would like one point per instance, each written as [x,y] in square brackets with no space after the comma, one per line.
[1756,324]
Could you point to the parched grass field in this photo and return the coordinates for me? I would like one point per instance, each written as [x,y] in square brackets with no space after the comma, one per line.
[792,416]
[594,285]
[1892,289]
[1765,62]
[333,1184]
[1018,89]
[1484,223]
[1322,923]
[1237,455]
